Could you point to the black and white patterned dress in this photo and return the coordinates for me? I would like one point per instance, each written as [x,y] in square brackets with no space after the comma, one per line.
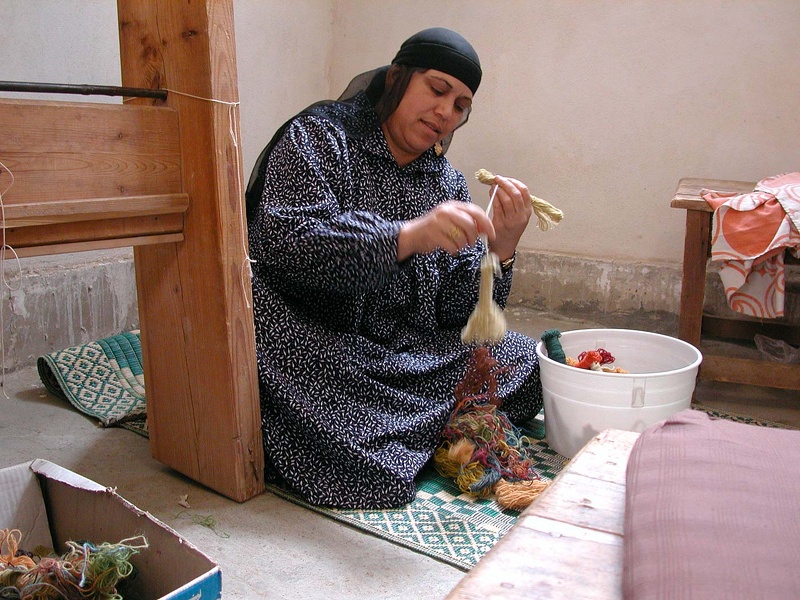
[358,355]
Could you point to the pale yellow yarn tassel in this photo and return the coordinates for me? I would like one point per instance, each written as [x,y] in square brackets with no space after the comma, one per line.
[487,323]
[546,213]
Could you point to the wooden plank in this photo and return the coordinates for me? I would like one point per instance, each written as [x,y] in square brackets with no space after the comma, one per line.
[92,209]
[89,176]
[547,563]
[125,242]
[568,543]
[107,233]
[598,512]
[68,150]
[750,372]
[687,195]
[746,328]
[197,327]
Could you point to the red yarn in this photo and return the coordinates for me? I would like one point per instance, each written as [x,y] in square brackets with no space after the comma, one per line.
[588,358]
[480,381]
[600,356]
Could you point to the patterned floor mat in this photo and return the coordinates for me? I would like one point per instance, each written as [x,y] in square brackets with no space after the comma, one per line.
[443,522]
[103,379]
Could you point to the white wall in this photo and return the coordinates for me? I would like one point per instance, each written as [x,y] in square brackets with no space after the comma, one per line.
[599,106]
[283,54]
[60,41]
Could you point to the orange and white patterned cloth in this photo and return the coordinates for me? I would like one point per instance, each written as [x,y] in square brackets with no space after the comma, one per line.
[750,235]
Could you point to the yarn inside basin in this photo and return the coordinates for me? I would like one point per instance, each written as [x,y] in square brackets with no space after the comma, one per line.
[579,403]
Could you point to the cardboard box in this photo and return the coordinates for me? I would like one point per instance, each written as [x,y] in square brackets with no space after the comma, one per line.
[51,505]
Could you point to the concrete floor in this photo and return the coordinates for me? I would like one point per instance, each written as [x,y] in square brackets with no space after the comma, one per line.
[268,547]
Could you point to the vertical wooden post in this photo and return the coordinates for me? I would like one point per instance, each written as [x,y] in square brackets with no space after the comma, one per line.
[194,296]
[693,286]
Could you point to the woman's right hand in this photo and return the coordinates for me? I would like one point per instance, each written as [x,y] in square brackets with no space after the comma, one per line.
[451,226]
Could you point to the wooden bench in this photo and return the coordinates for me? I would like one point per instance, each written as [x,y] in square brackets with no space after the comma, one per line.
[693,323]
[167,180]
[568,543]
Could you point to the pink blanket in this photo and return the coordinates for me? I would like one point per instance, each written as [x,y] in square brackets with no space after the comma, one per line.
[751,233]
[712,512]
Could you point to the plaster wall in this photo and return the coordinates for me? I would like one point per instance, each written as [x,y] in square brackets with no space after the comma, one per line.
[600,107]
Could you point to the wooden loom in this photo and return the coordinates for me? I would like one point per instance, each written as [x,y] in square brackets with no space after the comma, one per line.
[165,178]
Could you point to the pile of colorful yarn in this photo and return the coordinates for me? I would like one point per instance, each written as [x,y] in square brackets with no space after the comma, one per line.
[592,360]
[483,451]
[85,571]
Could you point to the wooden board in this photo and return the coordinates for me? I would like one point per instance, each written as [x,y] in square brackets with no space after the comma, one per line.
[89,176]
[74,150]
[567,544]
[198,337]
[689,188]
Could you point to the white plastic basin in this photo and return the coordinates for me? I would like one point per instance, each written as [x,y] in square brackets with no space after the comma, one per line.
[579,403]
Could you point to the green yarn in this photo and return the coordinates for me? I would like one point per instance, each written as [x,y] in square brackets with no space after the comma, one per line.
[554,350]
[86,571]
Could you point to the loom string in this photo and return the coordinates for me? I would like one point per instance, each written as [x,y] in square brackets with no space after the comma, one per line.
[232,107]
[246,269]
[6,283]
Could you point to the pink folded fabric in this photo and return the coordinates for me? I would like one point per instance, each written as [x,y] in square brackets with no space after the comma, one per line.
[712,511]
[750,235]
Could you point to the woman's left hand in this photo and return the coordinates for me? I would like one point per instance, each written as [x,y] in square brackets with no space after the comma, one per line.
[511,211]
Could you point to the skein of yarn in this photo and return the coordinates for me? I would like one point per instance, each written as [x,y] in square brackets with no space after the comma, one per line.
[85,572]
[487,323]
[553,346]
[546,213]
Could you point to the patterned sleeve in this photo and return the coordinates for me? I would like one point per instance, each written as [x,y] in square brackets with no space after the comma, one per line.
[306,241]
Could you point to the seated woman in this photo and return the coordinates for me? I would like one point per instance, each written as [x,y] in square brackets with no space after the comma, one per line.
[367,266]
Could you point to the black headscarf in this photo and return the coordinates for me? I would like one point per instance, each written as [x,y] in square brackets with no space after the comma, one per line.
[444,50]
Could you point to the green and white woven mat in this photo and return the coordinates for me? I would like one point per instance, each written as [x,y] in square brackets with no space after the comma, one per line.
[103,379]
[442,522]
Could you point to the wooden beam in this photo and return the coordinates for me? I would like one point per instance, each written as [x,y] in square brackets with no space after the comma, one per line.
[750,372]
[687,195]
[195,309]
[746,328]
[92,209]
[63,155]
[93,234]
[696,246]
[84,246]
[71,151]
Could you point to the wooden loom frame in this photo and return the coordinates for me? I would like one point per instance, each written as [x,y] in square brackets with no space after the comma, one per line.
[165,178]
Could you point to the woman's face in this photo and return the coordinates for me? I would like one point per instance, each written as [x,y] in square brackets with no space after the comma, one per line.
[433,105]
